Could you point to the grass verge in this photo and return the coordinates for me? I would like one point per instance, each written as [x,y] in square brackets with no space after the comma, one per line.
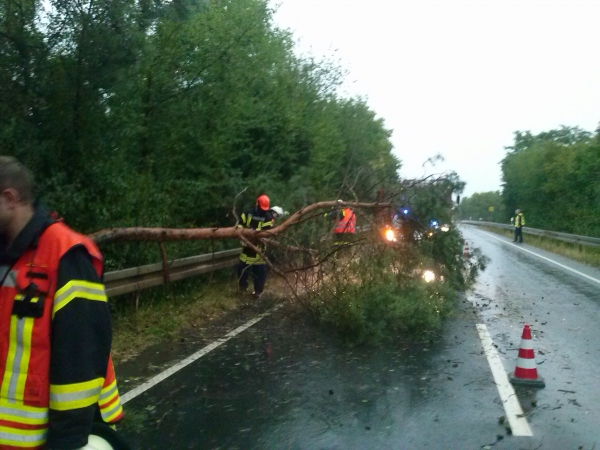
[163,312]
[582,253]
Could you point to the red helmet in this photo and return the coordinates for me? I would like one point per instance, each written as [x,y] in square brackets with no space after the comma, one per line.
[263,202]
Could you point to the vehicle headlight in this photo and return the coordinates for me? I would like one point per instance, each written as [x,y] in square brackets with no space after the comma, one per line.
[428,276]
[390,235]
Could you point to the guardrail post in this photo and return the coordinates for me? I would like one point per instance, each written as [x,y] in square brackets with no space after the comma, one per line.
[165,262]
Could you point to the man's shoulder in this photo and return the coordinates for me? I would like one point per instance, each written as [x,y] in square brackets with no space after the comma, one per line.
[60,237]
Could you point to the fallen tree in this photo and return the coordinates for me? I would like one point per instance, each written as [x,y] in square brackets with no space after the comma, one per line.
[158,234]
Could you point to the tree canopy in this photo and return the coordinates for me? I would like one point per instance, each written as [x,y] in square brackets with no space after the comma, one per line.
[159,113]
[554,178]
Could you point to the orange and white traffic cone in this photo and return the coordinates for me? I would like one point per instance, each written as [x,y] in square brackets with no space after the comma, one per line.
[466,253]
[525,373]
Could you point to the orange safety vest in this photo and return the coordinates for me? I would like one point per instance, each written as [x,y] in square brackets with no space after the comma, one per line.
[347,223]
[25,391]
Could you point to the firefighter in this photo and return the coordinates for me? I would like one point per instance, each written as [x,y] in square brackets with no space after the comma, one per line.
[519,223]
[345,226]
[55,334]
[252,263]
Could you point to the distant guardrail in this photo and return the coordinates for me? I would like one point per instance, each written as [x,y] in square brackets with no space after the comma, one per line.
[143,277]
[572,238]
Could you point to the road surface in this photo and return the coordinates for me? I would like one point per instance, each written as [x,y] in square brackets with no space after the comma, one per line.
[282,384]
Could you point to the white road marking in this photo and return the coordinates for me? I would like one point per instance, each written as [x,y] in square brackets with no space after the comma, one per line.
[190,359]
[514,413]
[543,257]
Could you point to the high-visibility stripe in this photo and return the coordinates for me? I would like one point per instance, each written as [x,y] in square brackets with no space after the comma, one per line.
[24,346]
[108,393]
[253,260]
[110,402]
[28,415]
[10,358]
[78,289]
[110,414]
[22,438]
[17,360]
[77,395]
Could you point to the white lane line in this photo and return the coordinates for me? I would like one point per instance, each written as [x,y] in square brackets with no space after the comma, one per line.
[518,423]
[540,256]
[190,359]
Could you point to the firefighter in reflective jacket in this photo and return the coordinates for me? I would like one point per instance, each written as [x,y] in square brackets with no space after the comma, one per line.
[345,227]
[251,263]
[519,223]
[57,376]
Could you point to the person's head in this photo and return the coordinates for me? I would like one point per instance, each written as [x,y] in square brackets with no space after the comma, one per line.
[517,211]
[16,194]
[263,202]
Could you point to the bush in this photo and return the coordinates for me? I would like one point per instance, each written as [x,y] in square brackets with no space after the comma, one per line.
[377,292]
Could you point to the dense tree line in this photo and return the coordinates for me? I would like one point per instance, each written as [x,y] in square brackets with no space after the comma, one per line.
[157,113]
[554,178]
[488,206]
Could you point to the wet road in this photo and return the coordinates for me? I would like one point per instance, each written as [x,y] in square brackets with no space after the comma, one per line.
[282,384]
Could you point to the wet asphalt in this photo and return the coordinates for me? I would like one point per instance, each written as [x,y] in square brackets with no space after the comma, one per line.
[284,384]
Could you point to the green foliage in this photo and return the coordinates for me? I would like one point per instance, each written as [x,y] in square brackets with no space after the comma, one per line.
[553,178]
[373,291]
[160,113]
[478,207]
[378,292]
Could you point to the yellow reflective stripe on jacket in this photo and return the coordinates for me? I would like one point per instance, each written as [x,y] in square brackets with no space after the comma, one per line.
[264,224]
[22,438]
[77,289]
[17,361]
[64,397]
[251,259]
[28,415]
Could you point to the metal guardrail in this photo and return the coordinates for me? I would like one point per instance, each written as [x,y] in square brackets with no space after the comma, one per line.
[143,277]
[137,278]
[572,238]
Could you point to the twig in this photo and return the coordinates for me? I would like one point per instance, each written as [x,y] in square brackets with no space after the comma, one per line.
[237,219]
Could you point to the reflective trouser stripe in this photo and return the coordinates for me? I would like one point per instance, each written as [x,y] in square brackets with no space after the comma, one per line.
[77,395]
[17,361]
[77,289]
[22,438]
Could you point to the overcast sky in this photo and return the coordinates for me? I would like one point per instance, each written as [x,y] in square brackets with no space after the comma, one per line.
[458,77]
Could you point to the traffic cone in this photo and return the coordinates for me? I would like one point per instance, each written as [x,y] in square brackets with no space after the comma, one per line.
[466,250]
[525,373]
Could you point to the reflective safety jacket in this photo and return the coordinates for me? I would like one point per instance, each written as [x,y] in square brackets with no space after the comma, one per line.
[55,368]
[254,219]
[519,220]
[347,222]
